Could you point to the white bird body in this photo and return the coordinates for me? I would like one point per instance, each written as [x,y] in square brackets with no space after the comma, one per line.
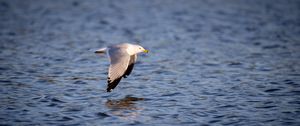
[122,58]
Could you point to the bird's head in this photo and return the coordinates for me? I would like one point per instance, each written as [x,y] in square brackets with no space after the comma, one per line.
[134,49]
[141,49]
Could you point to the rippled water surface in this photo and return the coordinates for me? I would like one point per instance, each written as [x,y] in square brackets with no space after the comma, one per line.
[211,62]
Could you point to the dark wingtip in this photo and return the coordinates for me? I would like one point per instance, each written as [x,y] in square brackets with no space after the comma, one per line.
[111,85]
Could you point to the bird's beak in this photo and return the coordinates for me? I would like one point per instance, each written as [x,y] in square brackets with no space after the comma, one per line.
[146,51]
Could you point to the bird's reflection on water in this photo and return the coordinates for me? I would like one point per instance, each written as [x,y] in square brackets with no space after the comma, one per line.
[125,108]
[128,103]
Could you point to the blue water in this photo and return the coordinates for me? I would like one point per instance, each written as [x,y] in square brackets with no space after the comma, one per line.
[216,62]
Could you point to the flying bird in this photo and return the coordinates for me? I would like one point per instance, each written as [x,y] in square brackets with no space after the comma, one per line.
[122,58]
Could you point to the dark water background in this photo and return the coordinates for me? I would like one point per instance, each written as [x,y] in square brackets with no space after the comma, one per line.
[211,62]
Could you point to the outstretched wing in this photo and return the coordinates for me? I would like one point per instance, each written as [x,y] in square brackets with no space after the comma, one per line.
[119,60]
[130,65]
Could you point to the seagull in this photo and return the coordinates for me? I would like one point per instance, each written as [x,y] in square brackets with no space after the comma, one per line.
[122,58]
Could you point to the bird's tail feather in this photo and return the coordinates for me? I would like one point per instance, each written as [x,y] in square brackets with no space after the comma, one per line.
[101,50]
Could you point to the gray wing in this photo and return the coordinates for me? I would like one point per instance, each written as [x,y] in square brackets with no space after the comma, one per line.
[130,65]
[119,60]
